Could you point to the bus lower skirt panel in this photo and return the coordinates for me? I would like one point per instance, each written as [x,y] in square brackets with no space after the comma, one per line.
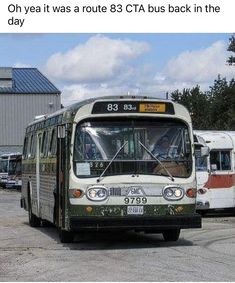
[135,223]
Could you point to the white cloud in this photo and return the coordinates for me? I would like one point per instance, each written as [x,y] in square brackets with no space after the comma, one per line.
[100,59]
[104,66]
[196,67]
[77,92]
[21,65]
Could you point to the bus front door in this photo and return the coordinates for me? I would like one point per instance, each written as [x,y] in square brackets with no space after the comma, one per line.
[38,151]
[59,194]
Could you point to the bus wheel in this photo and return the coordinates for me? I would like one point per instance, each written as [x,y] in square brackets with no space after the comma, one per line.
[46,223]
[171,235]
[66,236]
[34,221]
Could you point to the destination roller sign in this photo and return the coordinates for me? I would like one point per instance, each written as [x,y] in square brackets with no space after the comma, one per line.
[132,107]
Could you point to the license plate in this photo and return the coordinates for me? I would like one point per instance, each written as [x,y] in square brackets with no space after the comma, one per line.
[136,210]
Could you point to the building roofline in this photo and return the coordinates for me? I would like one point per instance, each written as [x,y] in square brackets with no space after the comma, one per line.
[29,80]
[19,93]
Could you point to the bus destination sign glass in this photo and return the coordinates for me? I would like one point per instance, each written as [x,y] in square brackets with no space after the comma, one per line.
[132,107]
[152,107]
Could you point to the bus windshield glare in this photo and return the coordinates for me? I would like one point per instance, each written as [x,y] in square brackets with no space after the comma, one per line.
[97,142]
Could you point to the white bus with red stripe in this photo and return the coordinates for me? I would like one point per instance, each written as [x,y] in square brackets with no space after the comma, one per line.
[215,172]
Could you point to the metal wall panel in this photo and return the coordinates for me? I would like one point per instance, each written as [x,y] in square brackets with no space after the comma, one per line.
[18,110]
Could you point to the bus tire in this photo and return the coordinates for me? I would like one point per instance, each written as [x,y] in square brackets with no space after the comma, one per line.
[171,235]
[34,221]
[66,236]
[46,223]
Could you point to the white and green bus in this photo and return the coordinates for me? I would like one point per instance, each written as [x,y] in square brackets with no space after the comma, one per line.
[112,163]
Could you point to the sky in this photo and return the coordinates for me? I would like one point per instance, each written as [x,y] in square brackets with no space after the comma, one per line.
[88,65]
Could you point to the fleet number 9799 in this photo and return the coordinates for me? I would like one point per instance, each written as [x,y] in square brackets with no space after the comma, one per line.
[135,200]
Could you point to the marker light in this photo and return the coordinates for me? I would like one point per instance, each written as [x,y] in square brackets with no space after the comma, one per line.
[89,209]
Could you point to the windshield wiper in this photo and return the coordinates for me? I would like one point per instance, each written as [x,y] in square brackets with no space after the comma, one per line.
[159,161]
[106,168]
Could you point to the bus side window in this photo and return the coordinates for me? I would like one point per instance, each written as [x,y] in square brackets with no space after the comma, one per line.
[25,147]
[29,150]
[43,151]
[53,143]
[28,147]
[215,159]
[221,159]
[225,160]
[41,144]
[50,133]
[32,147]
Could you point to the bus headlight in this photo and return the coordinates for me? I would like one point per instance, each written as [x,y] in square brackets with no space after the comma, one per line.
[173,193]
[97,193]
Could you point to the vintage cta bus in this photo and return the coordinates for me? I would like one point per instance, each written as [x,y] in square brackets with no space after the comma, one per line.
[215,172]
[10,170]
[112,163]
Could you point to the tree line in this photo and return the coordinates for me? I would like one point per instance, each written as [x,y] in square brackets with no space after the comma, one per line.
[213,109]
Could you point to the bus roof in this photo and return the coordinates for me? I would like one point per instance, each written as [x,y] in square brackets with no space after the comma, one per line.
[218,139]
[70,111]
[11,155]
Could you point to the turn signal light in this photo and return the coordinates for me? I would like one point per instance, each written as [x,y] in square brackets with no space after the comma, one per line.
[77,193]
[191,193]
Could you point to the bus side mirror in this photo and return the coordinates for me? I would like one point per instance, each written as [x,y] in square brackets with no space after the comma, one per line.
[205,151]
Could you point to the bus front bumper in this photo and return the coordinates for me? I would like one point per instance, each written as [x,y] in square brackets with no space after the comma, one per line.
[136,223]
[202,205]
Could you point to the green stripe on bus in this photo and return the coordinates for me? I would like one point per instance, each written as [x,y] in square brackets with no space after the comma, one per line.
[121,210]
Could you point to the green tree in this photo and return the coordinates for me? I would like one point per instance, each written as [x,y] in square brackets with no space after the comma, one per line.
[231,110]
[197,104]
[222,104]
[231,47]
[210,110]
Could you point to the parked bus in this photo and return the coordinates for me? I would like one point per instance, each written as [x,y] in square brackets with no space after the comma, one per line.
[216,172]
[3,170]
[10,170]
[97,165]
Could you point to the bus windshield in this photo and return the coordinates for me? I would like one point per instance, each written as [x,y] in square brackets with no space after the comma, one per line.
[15,167]
[3,165]
[97,142]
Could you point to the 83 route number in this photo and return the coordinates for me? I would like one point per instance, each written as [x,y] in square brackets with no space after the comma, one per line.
[117,108]
[135,200]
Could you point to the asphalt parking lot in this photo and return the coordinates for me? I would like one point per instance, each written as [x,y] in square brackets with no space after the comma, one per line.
[36,254]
